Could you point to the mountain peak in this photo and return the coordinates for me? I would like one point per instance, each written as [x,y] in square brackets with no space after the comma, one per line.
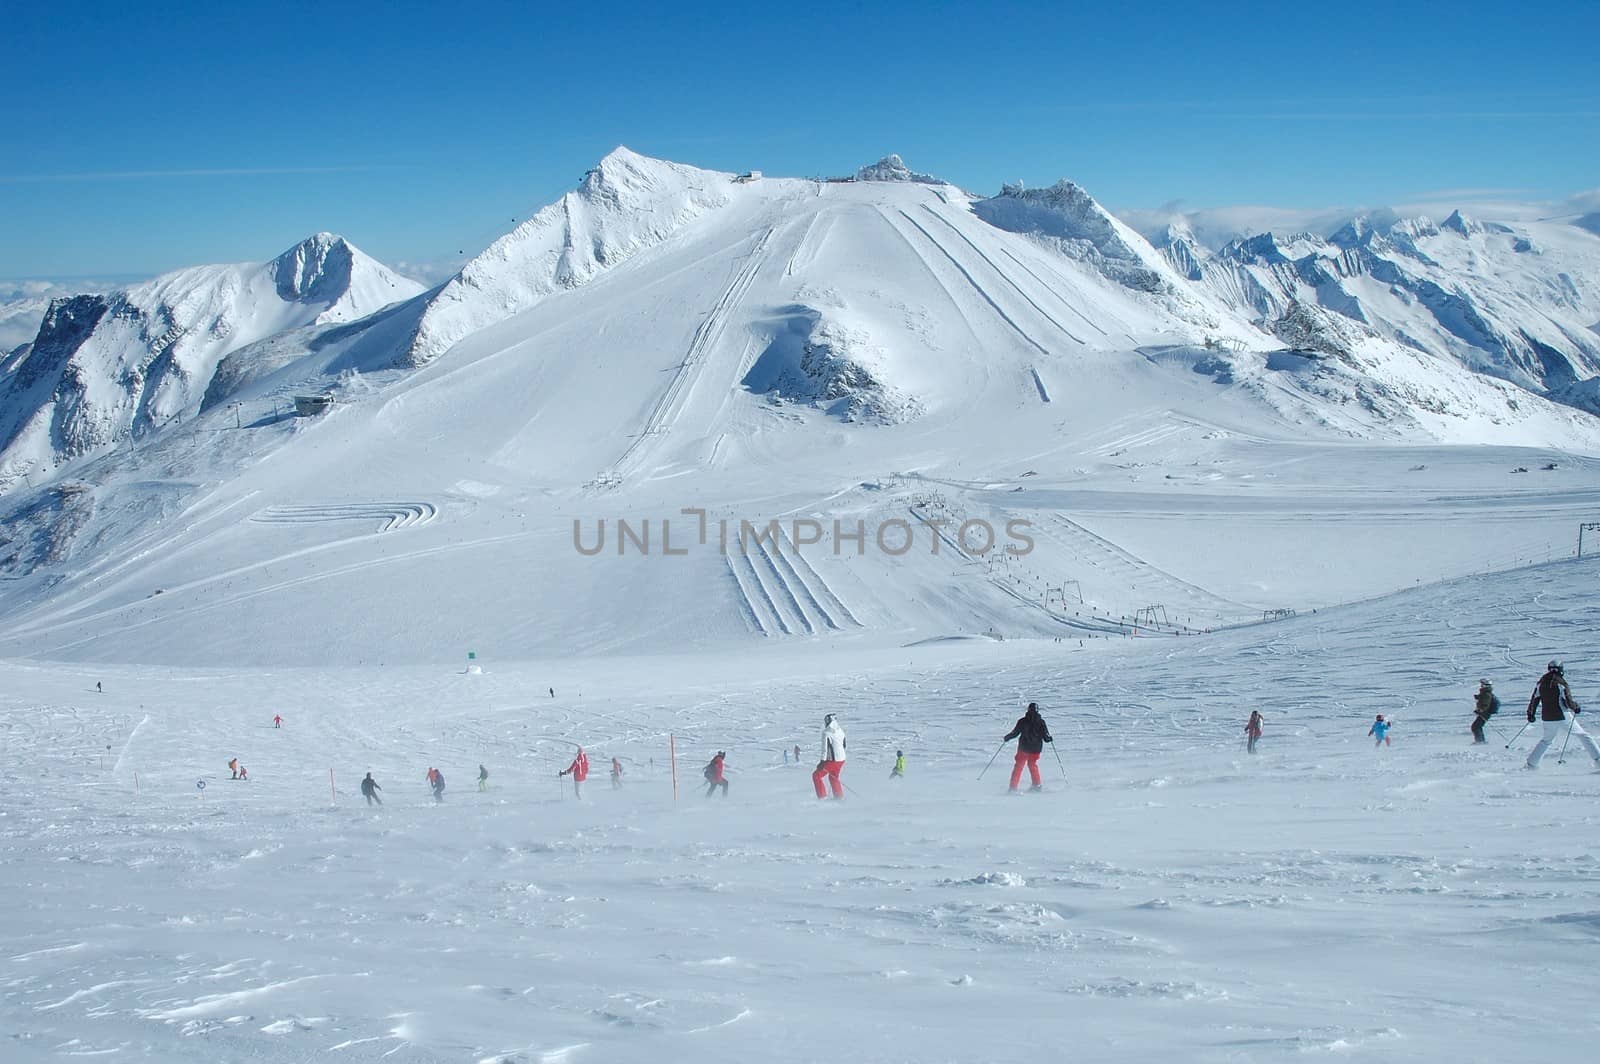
[316,270]
[1461,224]
[893,168]
[1067,217]
[627,203]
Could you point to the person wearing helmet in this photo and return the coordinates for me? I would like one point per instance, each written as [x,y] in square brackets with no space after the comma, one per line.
[1551,697]
[899,770]
[1031,733]
[1484,706]
[832,762]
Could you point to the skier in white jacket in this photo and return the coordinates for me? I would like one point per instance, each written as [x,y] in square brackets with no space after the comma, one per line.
[832,758]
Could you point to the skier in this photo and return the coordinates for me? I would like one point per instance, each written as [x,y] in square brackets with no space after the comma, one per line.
[277,720]
[1380,731]
[97,687]
[899,770]
[616,774]
[786,755]
[797,753]
[552,692]
[483,778]
[832,762]
[1253,730]
[1484,706]
[578,770]
[714,775]
[1550,698]
[436,781]
[370,789]
[244,773]
[1031,733]
[233,768]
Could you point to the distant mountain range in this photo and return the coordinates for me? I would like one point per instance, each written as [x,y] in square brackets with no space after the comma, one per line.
[1385,309]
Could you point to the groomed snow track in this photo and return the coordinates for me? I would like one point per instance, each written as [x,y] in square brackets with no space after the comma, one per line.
[394,515]
[782,594]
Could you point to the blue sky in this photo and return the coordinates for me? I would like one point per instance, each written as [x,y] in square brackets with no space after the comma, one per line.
[147,137]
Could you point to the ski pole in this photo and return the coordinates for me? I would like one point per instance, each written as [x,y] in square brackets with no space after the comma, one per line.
[1053,750]
[1002,746]
[1520,730]
[1562,759]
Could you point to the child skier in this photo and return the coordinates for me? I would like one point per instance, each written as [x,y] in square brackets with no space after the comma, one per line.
[578,770]
[1031,734]
[899,770]
[714,775]
[1253,730]
[370,789]
[1484,706]
[1380,731]
[277,720]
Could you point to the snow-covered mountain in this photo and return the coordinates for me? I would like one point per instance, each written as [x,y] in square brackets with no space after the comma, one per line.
[102,365]
[1517,301]
[625,204]
[878,347]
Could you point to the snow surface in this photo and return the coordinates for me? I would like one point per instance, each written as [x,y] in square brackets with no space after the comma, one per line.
[1170,898]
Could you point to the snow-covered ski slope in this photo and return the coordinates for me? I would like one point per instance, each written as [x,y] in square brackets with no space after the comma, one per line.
[1170,899]
[868,352]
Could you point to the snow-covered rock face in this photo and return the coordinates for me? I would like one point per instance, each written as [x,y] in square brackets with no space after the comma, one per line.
[102,366]
[22,308]
[625,205]
[1514,301]
[1585,395]
[316,270]
[821,362]
[893,168]
[1461,225]
[1068,218]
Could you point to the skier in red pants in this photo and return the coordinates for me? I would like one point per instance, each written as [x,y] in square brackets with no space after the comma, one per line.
[1031,734]
[832,758]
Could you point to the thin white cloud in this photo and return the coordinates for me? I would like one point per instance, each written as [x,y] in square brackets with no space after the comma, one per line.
[135,175]
[1585,202]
